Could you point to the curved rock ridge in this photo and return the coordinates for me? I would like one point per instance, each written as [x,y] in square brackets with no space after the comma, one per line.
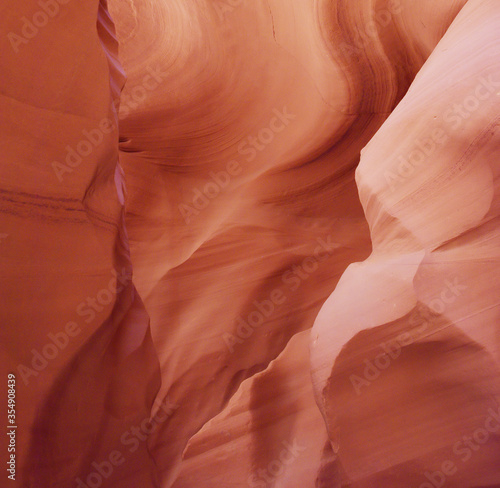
[251,242]
[265,435]
[409,337]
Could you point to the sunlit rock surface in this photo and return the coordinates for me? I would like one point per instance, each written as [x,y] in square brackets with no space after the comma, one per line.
[252,243]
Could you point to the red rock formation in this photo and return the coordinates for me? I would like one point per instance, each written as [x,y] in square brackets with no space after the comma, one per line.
[241,125]
[76,334]
[409,337]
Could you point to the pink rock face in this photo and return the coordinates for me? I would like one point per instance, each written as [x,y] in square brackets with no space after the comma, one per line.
[250,243]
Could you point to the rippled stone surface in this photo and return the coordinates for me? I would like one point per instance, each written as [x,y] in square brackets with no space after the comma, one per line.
[291,277]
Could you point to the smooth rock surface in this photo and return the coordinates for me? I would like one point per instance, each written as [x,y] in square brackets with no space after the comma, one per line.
[252,242]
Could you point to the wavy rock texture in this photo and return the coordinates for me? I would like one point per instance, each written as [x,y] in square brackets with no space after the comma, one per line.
[410,335]
[249,219]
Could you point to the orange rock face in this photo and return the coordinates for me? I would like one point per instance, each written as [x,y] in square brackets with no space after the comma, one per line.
[250,243]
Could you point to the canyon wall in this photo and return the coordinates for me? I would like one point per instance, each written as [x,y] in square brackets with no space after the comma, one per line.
[252,243]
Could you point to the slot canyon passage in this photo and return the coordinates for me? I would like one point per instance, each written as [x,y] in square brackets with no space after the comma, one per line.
[250,243]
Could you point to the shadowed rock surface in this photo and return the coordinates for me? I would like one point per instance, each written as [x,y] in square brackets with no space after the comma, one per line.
[252,243]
